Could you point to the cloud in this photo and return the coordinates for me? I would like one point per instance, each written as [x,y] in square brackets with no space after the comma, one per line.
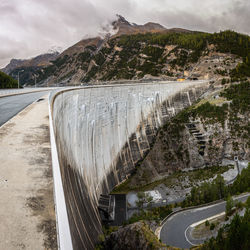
[210,16]
[31,27]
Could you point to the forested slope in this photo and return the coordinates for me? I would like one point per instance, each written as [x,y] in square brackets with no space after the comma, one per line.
[169,54]
[7,81]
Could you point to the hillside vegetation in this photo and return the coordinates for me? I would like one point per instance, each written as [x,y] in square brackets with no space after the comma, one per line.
[224,133]
[29,67]
[7,81]
[217,190]
[156,54]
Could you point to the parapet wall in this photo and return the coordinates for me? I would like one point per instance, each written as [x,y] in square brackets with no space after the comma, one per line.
[101,133]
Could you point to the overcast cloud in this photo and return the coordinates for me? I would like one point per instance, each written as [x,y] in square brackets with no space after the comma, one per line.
[31,27]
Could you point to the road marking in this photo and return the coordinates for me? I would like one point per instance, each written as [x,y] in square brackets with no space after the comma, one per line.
[210,218]
[198,223]
[196,209]
[185,233]
[240,196]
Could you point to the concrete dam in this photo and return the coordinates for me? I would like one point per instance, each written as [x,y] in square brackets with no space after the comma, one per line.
[101,132]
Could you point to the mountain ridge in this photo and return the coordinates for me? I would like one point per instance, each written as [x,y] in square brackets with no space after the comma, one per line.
[144,51]
[124,27]
[37,61]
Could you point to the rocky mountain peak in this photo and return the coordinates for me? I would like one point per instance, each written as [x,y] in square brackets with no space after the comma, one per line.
[55,50]
[38,61]
[152,25]
[124,27]
[121,19]
[120,23]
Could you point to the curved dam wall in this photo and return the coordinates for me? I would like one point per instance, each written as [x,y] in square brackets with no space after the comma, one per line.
[101,133]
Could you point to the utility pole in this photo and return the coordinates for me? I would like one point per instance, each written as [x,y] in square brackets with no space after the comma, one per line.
[35,80]
[18,77]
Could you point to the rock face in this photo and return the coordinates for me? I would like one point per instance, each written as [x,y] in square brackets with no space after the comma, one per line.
[101,134]
[29,68]
[38,61]
[124,27]
[204,139]
[135,236]
[14,63]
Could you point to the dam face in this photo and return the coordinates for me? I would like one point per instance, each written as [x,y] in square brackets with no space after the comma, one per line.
[101,133]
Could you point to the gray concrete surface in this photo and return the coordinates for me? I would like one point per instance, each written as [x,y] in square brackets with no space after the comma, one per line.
[11,105]
[174,231]
[27,212]
[101,133]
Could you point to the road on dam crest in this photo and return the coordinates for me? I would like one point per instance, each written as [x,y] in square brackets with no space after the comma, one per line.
[11,105]
[174,231]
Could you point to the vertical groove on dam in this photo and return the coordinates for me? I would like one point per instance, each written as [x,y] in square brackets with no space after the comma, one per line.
[101,133]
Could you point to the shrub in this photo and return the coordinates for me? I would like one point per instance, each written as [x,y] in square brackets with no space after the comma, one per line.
[229,206]
[6,81]
[223,81]
[212,226]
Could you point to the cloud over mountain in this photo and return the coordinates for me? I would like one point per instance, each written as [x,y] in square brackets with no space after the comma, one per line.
[30,27]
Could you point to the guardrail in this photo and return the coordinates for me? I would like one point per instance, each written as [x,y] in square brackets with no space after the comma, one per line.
[190,208]
[21,91]
[64,240]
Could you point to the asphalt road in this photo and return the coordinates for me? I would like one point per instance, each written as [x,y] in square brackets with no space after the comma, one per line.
[173,232]
[11,105]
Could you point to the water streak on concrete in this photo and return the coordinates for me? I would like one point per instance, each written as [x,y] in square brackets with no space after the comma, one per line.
[101,133]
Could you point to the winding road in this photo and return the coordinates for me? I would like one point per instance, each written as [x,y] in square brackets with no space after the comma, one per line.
[175,231]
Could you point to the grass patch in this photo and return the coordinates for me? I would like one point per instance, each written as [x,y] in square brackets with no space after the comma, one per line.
[212,100]
[170,181]
[156,214]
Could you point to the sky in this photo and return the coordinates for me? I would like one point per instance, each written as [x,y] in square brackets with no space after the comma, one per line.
[31,27]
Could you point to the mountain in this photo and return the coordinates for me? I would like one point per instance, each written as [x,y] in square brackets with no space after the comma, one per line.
[38,61]
[132,51]
[124,27]
[30,67]
[67,67]
[168,55]
[82,45]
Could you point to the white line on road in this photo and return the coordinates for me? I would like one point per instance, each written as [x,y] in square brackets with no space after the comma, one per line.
[210,218]
[187,237]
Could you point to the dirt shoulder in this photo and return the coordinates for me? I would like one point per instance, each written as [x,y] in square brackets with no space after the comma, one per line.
[27,212]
